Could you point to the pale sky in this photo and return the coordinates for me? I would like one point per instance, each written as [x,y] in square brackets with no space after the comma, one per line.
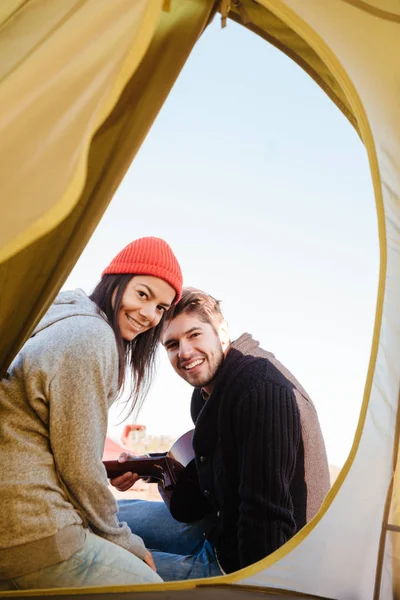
[262,188]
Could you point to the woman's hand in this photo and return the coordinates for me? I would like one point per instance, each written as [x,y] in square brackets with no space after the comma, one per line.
[148,559]
[127,480]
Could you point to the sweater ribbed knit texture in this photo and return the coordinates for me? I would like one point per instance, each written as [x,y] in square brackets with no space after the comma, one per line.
[261,462]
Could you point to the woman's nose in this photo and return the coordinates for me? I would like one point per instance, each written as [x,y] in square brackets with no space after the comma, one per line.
[148,312]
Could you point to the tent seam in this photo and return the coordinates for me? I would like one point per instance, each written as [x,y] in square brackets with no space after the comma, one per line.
[372,10]
[15,12]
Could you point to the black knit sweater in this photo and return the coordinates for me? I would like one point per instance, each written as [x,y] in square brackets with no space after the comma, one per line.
[249,459]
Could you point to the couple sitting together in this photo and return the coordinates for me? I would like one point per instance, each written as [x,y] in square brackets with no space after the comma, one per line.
[260,469]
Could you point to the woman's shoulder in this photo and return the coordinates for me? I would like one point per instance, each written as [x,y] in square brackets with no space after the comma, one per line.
[73,315]
[74,335]
[84,331]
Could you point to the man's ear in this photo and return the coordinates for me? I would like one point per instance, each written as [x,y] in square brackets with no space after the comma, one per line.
[223,333]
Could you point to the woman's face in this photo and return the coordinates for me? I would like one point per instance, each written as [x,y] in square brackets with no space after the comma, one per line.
[143,303]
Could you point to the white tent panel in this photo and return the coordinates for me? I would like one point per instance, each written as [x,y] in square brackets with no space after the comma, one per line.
[339,556]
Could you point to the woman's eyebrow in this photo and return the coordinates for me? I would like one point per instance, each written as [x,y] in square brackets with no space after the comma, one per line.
[152,295]
[150,291]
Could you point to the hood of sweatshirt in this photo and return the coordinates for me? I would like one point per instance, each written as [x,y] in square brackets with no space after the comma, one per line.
[69,304]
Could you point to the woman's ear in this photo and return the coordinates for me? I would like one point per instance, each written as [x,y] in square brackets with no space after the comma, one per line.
[223,333]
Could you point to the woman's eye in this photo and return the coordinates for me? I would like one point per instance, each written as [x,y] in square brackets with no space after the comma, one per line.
[195,334]
[162,309]
[142,294]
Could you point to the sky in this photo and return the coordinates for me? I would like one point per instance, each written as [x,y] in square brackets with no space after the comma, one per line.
[262,188]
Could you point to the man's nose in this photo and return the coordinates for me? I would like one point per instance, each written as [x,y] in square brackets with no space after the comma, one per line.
[185,349]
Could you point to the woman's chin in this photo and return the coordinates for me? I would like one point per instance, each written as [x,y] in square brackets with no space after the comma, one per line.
[129,335]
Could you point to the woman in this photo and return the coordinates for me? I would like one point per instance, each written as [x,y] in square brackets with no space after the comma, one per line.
[58,524]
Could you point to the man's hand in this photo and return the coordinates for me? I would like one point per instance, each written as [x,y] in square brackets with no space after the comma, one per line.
[148,559]
[126,481]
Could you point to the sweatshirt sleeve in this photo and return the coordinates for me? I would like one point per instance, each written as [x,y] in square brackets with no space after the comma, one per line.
[80,394]
[268,432]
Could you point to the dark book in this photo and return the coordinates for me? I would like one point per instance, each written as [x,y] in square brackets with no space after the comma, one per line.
[164,468]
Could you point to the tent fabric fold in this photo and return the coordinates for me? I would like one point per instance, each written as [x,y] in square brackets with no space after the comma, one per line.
[81,82]
[49,68]
[44,263]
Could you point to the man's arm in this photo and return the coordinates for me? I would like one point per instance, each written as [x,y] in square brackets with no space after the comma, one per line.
[124,482]
[268,433]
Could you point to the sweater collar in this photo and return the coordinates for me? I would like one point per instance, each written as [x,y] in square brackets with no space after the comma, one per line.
[244,345]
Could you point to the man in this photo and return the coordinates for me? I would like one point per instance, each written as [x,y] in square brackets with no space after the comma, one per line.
[261,469]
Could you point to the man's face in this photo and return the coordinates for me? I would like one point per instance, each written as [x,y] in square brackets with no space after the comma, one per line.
[194,349]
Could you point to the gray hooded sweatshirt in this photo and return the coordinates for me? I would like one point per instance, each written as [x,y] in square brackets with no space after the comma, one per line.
[54,405]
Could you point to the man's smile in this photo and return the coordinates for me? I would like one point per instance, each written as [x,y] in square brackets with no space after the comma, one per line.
[192,365]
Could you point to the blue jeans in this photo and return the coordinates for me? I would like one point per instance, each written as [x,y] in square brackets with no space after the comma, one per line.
[99,562]
[179,549]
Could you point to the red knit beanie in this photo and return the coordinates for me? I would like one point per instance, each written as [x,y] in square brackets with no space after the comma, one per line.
[148,256]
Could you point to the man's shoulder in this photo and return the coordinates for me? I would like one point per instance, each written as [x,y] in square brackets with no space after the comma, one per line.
[249,364]
[250,371]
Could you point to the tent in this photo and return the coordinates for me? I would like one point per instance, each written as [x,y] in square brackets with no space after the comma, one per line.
[81,82]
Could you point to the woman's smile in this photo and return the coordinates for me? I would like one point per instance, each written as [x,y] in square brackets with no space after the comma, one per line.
[135,324]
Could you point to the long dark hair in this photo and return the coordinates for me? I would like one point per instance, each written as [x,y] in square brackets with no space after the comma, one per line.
[140,353]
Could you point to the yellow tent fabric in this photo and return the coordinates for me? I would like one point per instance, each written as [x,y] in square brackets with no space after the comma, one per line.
[44,180]
[351,48]
[58,180]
